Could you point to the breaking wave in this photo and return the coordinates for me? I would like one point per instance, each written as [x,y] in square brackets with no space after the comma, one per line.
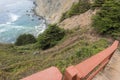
[13,17]
[9,33]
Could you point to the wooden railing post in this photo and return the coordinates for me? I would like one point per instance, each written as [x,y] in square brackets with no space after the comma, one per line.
[70,73]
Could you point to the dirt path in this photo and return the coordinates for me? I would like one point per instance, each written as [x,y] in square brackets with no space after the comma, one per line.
[112,70]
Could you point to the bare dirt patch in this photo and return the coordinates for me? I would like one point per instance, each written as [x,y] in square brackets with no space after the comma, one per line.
[78,20]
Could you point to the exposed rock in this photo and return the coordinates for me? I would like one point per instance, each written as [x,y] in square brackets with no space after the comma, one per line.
[52,10]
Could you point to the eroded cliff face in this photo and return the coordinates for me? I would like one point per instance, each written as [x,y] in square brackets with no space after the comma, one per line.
[52,10]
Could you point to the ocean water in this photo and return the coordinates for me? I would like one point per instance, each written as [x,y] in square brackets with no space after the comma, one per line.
[17,17]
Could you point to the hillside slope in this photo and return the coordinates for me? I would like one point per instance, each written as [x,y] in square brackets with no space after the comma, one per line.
[80,42]
[82,20]
[18,62]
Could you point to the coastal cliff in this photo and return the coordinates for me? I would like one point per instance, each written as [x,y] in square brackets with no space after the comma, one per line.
[52,10]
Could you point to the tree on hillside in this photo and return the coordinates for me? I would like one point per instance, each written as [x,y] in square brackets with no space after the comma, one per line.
[50,37]
[25,39]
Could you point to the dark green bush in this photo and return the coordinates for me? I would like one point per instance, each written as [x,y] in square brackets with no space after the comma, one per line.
[50,37]
[25,39]
[98,3]
[107,20]
[76,9]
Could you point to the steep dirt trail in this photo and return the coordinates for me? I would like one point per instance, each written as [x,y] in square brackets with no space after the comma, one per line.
[112,70]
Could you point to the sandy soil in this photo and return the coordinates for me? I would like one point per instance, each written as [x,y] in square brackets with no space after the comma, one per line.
[79,20]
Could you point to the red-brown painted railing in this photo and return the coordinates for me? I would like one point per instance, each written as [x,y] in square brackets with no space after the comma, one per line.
[86,70]
[51,73]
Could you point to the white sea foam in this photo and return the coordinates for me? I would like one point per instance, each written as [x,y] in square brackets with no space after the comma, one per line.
[40,29]
[8,23]
[13,17]
[9,33]
[3,30]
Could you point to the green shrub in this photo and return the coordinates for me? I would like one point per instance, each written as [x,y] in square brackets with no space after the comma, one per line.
[98,3]
[50,37]
[91,49]
[25,39]
[107,21]
[76,9]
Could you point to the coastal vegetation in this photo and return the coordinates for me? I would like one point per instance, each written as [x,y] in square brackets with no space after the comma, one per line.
[76,9]
[25,39]
[98,3]
[17,62]
[107,20]
[50,37]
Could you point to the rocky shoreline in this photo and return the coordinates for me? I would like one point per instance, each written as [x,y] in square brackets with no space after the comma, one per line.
[35,12]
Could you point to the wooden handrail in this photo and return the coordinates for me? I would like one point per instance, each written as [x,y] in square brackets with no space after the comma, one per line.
[51,73]
[89,68]
[86,70]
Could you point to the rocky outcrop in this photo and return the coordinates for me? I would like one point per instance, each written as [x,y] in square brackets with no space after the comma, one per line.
[52,10]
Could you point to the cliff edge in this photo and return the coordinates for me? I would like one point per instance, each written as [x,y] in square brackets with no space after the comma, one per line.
[52,10]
